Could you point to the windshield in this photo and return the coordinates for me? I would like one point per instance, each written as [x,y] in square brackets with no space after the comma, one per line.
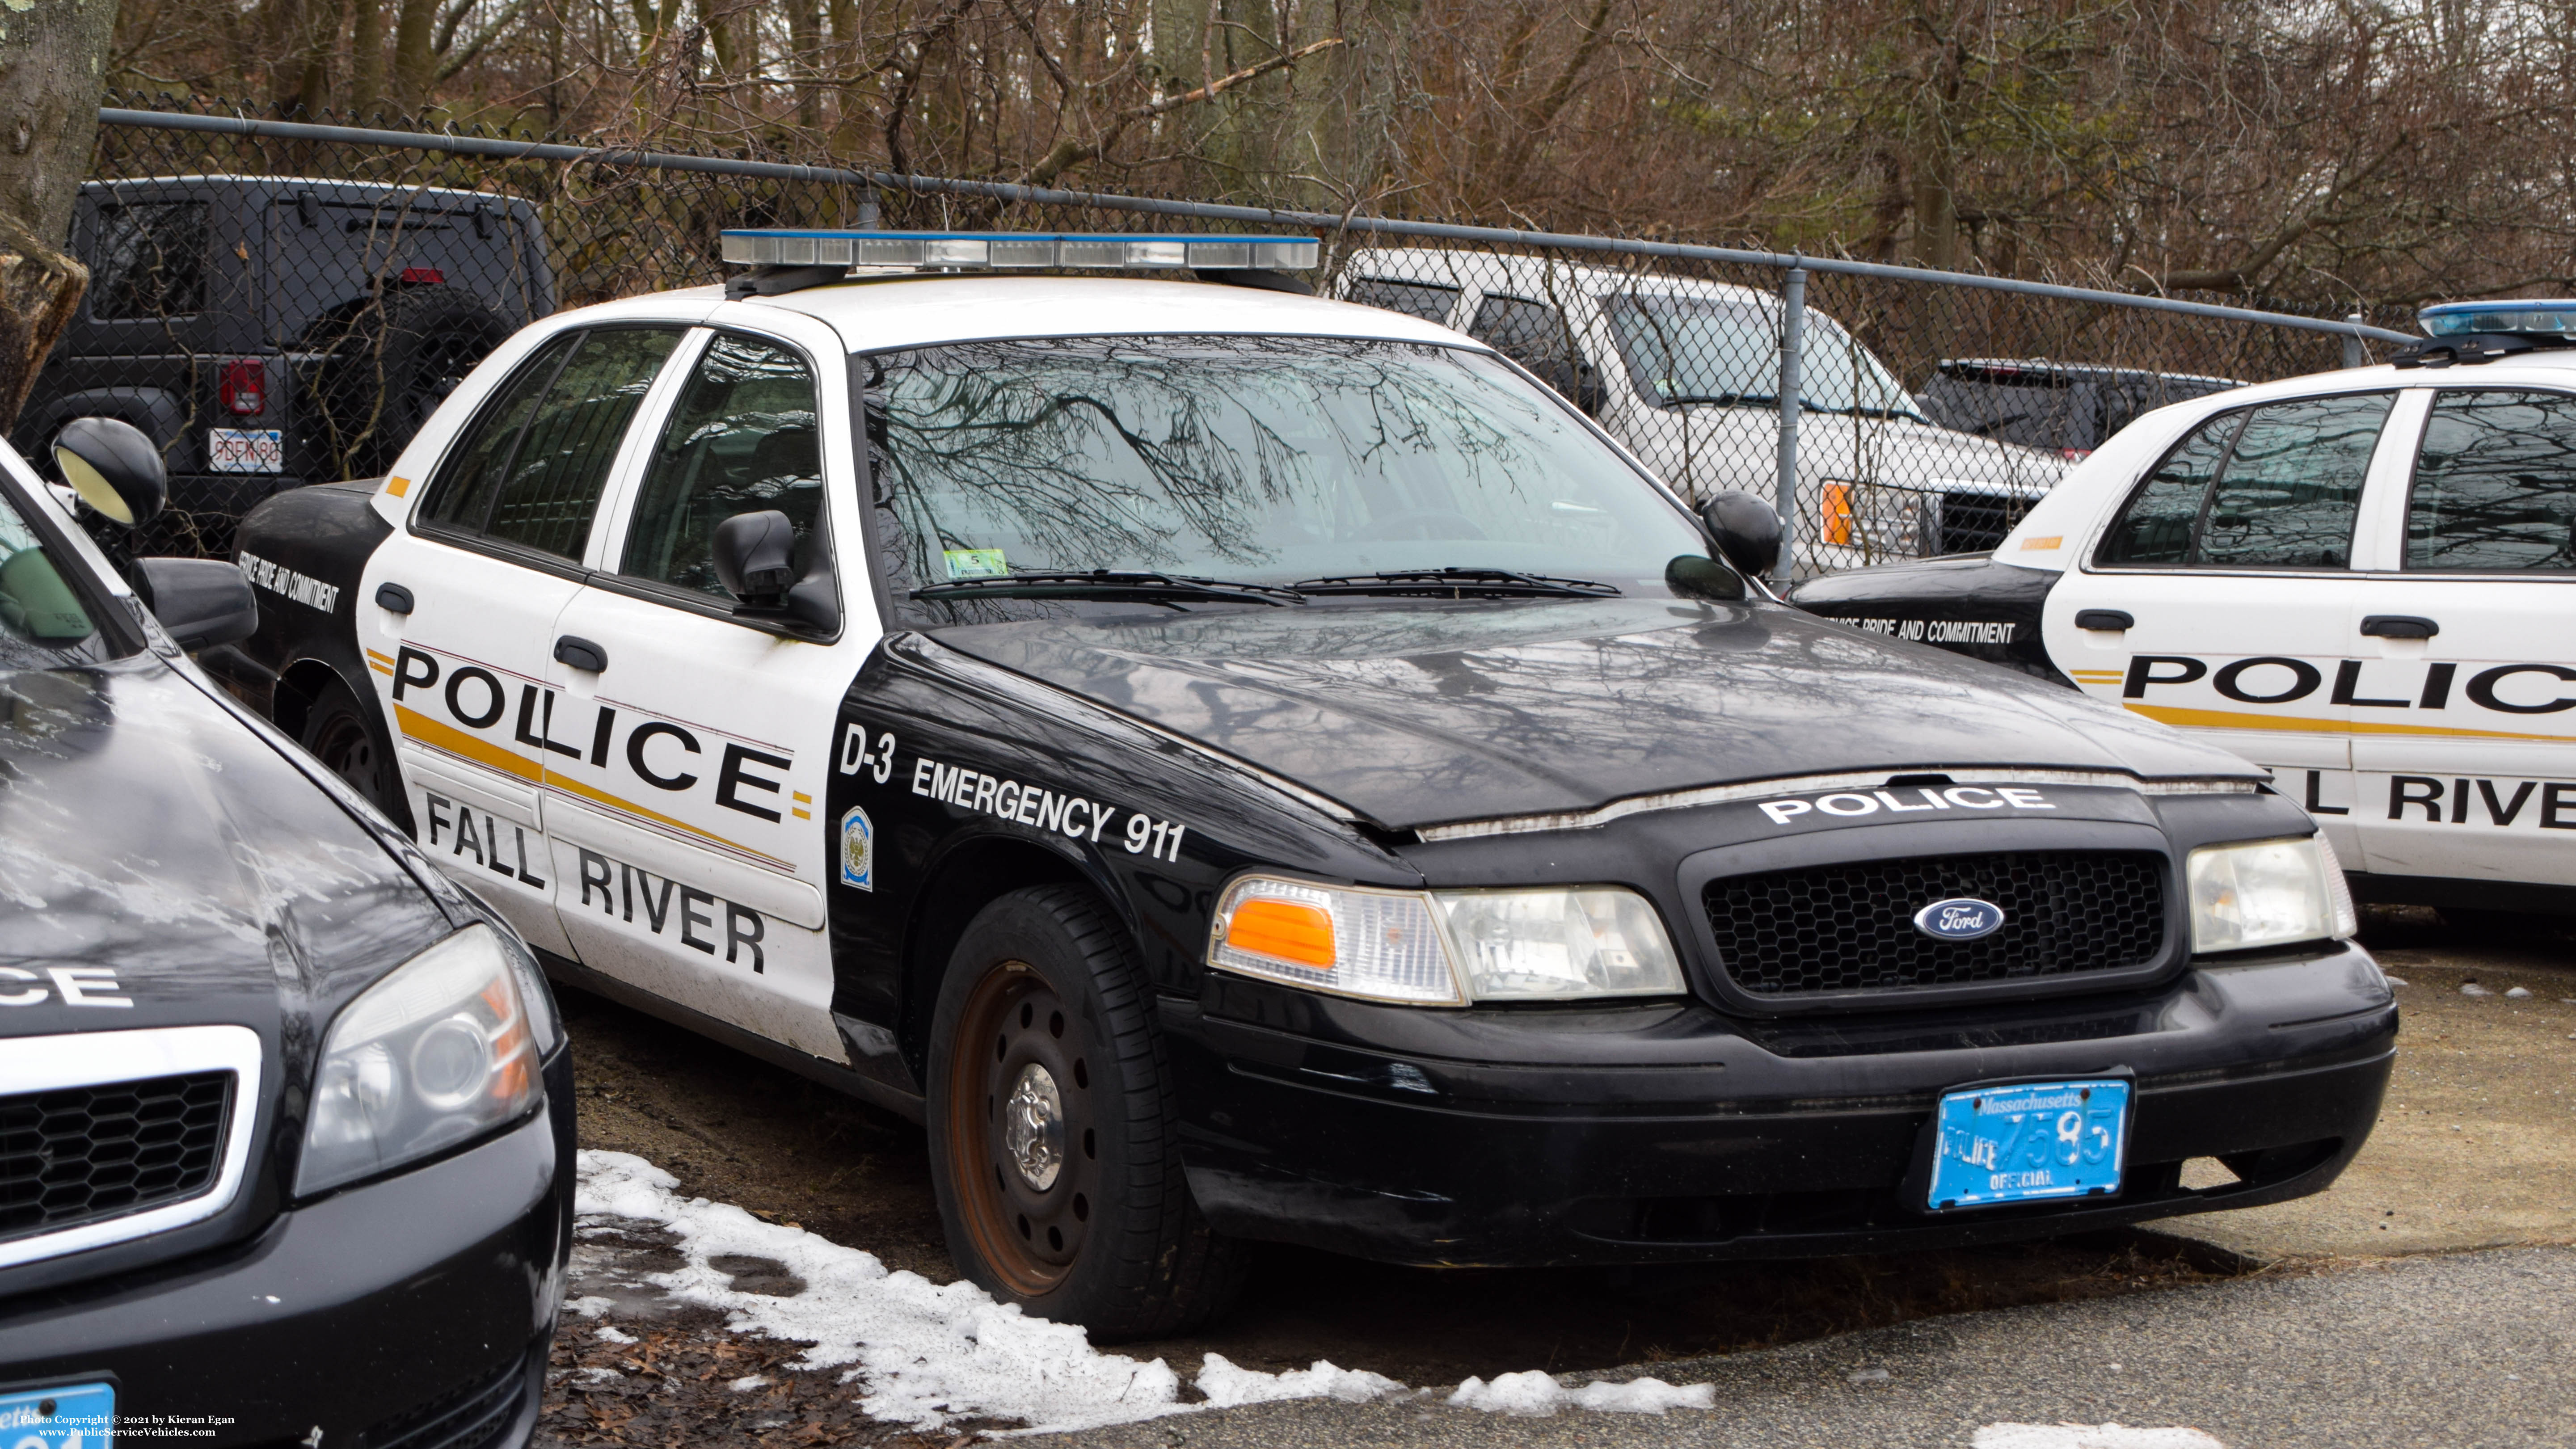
[1263,460]
[42,622]
[1684,349]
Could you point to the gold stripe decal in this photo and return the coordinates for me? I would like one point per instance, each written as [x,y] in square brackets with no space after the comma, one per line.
[2222,719]
[601,797]
[418,726]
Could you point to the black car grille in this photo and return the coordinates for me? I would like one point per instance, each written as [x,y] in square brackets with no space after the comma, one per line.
[466,1419]
[75,1155]
[1977,522]
[1850,927]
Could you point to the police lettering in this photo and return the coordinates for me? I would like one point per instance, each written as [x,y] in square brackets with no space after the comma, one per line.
[1940,631]
[2278,679]
[1853,803]
[2434,800]
[75,985]
[1071,815]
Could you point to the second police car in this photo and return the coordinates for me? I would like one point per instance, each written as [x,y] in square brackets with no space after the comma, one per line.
[2352,579]
[1244,766]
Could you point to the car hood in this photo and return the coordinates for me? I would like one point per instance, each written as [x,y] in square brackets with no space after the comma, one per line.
[1416,714]
[1712,445]
[161,863]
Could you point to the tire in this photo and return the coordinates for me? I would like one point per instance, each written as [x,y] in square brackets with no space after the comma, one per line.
[342,733]
[383,369]
[1044,1016]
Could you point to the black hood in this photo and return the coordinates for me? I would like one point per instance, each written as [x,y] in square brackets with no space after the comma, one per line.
[1415,714]
[148,833]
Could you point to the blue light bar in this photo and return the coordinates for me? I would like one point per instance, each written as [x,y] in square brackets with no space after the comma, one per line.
[2545,317]
[1014,250]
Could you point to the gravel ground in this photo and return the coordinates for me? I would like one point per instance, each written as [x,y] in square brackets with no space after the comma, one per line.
[735,1130]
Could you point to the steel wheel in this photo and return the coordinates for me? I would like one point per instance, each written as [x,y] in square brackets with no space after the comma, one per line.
[1022,1134]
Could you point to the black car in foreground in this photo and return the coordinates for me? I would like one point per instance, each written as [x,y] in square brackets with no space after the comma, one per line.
[285,1117]
[1244,766]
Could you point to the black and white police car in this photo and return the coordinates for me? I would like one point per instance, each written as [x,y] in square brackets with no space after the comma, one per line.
[285,1116]
[1245,766]
[2353,579]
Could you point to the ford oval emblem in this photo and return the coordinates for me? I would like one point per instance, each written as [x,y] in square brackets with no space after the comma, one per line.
[1963,919]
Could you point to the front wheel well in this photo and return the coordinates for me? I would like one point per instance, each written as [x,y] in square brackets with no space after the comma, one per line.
[297,688]
[963,882]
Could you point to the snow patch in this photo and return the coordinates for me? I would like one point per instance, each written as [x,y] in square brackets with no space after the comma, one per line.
[2089,1436]
[590,1307]
[2471,988]
[747,1383]
[611,1333]
[923,1353]
[1532,1394]
[2518,993]
[1228,1386]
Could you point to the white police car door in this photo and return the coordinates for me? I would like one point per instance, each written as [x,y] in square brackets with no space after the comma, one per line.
[692,861]
[2468,763]
[2221,597]
[489,556]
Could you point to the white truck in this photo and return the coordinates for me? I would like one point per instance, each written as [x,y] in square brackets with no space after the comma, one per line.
[1686,374]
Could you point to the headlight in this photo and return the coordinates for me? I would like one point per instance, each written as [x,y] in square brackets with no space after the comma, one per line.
[1446,948]
[440,1051]
[2270,892]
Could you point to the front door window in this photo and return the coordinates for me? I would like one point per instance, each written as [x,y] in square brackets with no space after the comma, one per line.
[2495,485]
[742,439]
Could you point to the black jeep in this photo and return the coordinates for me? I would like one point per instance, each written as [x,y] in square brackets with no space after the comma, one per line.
[268,332]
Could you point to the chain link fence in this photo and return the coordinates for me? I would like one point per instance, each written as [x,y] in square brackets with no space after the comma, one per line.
[281,303]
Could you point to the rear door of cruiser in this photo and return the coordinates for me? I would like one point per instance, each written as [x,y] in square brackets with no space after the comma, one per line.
[692,860]
[2468,761]
[2222,597]
[460,606]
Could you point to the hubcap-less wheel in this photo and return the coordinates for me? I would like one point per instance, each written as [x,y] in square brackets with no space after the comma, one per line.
[1023,1144]
[347,750]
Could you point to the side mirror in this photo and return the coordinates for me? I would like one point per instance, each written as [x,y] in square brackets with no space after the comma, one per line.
[1746,531]
[755,557]
[115,470]
[202,602]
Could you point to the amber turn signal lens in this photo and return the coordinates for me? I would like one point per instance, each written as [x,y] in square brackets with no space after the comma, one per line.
[1283,931]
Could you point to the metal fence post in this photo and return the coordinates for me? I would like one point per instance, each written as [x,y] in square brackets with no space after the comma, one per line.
[1793,335]
[2353,355]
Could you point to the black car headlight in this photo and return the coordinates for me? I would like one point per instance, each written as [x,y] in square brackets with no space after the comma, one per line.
[443,1049]
[1446,948]
[2268,893]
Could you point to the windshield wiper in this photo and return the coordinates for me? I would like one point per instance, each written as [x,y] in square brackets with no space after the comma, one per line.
[1107,584]
[1458,584]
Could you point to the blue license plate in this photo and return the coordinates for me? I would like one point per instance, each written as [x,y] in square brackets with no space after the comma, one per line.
[67,1416]
[2030,1141]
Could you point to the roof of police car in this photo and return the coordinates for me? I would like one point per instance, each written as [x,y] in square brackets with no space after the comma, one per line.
[914,309]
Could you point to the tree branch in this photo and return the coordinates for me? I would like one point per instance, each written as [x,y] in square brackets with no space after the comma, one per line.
[1070,153]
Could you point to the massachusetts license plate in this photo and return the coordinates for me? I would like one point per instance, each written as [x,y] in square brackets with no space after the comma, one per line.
[2030,1141]
[67,1416]
[243,450]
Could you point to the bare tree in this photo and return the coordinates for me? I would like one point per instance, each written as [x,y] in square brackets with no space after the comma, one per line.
[52,57]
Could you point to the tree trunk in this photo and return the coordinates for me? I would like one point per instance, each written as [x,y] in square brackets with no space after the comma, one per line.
[52,58]
[415,60]
[367,61]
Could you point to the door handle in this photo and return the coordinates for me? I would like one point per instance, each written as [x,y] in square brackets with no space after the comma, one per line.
[580,653]
[2114,619]
[2399,626]
[393,598]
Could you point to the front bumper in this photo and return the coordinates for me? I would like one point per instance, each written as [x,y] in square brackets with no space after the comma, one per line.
[1667,1133]
[414,1311]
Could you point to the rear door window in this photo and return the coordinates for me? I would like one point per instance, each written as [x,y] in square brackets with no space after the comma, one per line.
[2269,487]
[532,472]
[1530,333]
[2495,484]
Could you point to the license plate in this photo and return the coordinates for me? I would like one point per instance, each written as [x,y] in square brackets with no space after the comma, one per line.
[244,450]
[2030,1141]
[68,1416]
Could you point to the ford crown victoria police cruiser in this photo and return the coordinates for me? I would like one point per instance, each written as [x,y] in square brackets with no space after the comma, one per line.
[1239,765]
[285,1116]
[2352,579]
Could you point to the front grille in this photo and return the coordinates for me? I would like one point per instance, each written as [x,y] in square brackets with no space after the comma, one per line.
[75,1155]
[1850,927]
[468,1418]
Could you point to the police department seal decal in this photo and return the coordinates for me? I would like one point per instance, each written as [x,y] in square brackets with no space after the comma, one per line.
[1964,918]
[858,850]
